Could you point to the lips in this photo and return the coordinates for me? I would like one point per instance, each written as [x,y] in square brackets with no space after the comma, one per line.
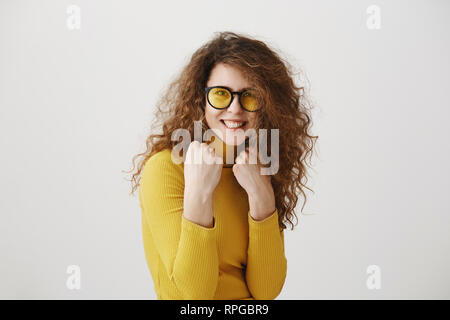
[230,122]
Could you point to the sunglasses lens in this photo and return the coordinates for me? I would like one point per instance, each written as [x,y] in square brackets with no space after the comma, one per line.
[249,100]
[219,97]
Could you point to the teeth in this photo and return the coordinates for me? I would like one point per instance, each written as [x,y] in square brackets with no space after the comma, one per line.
[233,124]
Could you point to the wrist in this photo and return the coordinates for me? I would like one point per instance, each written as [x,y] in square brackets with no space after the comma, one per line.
[198,207]
[197,195]
[204,221]
[264,194]
[261,207]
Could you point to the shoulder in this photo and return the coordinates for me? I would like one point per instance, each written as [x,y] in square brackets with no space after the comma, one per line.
[161,179]
[165,157]
[162,163]
[159,156]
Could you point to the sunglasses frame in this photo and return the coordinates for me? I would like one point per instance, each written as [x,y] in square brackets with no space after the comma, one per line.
[239,93]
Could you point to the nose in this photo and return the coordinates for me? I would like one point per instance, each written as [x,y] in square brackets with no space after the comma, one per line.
[235,106]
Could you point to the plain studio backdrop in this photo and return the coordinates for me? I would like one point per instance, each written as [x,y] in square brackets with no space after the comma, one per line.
[78,85]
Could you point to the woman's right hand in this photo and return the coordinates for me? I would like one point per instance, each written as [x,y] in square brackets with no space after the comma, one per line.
[202,169]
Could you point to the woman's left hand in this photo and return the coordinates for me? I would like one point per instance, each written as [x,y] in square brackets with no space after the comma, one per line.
[247,171]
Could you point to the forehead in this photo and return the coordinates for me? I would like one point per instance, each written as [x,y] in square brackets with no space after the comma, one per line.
[227,75]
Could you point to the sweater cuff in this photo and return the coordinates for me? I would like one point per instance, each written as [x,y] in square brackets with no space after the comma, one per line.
[197,242]
[197,262]
[269,223]
[198,231]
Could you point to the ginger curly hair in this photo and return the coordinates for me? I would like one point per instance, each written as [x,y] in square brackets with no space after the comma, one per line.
[285,106]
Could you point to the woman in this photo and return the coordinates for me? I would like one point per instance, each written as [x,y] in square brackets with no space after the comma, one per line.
[215,229]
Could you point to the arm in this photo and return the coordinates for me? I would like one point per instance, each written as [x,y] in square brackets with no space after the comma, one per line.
[188,250]
[266,261]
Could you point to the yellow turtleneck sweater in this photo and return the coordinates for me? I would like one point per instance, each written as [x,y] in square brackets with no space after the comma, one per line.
[238,258]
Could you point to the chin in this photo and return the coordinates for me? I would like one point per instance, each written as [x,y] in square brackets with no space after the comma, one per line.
[234,138]
[230,137]
[234,142]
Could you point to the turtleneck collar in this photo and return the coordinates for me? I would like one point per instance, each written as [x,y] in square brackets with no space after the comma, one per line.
[222,149]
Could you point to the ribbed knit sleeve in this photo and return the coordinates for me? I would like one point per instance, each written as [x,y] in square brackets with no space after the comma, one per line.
[266,261]
[187,250]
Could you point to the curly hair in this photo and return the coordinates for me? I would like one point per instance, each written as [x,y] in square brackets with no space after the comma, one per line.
[285,106]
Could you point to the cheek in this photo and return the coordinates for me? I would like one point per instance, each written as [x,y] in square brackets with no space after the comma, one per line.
[212,116]
[252,121]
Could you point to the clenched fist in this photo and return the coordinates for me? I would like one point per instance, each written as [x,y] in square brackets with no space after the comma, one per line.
[202,171]
[202,168]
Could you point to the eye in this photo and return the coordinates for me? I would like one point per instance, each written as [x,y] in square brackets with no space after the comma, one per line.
[221,93]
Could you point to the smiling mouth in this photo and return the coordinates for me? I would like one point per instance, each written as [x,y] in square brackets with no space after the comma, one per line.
[232,125]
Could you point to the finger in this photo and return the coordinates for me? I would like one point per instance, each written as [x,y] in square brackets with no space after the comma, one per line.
[218,160]
[245,157]
[209,155]
[191,153]
[253,156]
[239,160]
[252,150]
[241,156]
[209,159]
[198,156]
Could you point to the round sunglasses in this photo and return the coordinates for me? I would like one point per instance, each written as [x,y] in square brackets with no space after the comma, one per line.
[221,97]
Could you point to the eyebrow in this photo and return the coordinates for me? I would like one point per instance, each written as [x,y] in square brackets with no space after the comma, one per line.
[243,89]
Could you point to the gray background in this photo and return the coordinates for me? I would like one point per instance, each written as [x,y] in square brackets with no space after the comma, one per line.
[76,106]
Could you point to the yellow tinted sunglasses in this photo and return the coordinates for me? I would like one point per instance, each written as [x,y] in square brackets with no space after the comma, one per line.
[220,97]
